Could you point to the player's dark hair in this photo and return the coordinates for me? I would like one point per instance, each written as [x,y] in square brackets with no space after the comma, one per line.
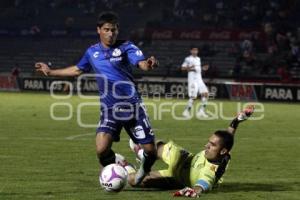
[108,17]
[226,139]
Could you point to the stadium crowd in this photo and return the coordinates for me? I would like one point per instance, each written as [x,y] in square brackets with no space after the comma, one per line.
[276,55]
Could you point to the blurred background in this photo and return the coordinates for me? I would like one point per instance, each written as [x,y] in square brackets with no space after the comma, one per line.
[253,40]
[242,41]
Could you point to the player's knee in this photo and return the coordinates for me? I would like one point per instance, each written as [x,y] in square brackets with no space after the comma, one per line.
[160,147]
[103,143]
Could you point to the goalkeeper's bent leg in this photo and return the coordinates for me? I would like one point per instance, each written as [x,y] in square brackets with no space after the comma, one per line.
[147,161]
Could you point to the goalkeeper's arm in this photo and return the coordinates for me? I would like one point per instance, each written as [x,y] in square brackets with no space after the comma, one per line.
[242,116]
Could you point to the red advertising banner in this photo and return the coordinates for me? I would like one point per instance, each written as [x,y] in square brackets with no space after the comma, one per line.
[8,83]
[205,34]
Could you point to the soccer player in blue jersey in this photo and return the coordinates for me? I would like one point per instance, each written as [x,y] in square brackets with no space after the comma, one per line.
[121,105]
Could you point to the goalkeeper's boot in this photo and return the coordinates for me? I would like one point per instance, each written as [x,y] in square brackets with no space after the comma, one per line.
[141,173]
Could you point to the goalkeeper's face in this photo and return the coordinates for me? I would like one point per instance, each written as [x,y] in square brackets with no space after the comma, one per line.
[214,148]
[108,34]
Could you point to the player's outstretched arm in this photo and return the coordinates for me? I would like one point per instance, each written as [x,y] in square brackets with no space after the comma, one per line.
[148,64]
[242,116]
[67,71]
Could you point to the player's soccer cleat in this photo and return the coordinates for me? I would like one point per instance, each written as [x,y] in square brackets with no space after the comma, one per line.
[186,114]
[201,114]
[137,149]
[134,147]
[246,113]
[140,175]
[120,160]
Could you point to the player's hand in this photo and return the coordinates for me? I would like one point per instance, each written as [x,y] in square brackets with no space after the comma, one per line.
[191,68]
[42,68]
[246,113]
[186,192]
[152,62]
[205,67]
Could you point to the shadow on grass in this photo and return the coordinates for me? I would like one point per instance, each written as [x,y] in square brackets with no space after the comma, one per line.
[236,187]
[249,187]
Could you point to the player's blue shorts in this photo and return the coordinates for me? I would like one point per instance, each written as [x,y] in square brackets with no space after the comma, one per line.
[132,117]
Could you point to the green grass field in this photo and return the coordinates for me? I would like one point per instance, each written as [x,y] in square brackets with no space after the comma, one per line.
[41,158]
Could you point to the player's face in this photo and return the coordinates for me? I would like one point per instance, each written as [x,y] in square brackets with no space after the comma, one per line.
[108,34]
[194,51]
[213,148]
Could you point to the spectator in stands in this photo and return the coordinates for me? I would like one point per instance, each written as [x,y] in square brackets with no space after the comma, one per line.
[69,23]
[283,72]
[15,72]
[169,64]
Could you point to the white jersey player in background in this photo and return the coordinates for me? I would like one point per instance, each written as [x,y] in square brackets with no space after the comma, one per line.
[196,86]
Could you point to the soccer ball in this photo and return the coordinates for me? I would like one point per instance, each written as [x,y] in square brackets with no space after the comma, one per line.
[113,178]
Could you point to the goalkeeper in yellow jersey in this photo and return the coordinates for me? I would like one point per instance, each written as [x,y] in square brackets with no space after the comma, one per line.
[193,174]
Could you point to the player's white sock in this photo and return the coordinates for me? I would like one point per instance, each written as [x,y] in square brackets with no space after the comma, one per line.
[204,103]
[190,104]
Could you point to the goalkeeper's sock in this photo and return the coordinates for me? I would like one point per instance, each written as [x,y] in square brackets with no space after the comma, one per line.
[130,168]
[146,164]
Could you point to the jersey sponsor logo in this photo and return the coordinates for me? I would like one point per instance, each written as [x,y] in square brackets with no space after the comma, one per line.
[117,52]
[115,59]
[96,54]
[139,53]
[139,133]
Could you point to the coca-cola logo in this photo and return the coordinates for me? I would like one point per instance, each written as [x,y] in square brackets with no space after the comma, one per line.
[248,35]
[162,34]
[223,35]
[190,35]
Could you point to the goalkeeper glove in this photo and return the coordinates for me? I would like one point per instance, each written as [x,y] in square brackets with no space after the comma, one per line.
[186,192]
